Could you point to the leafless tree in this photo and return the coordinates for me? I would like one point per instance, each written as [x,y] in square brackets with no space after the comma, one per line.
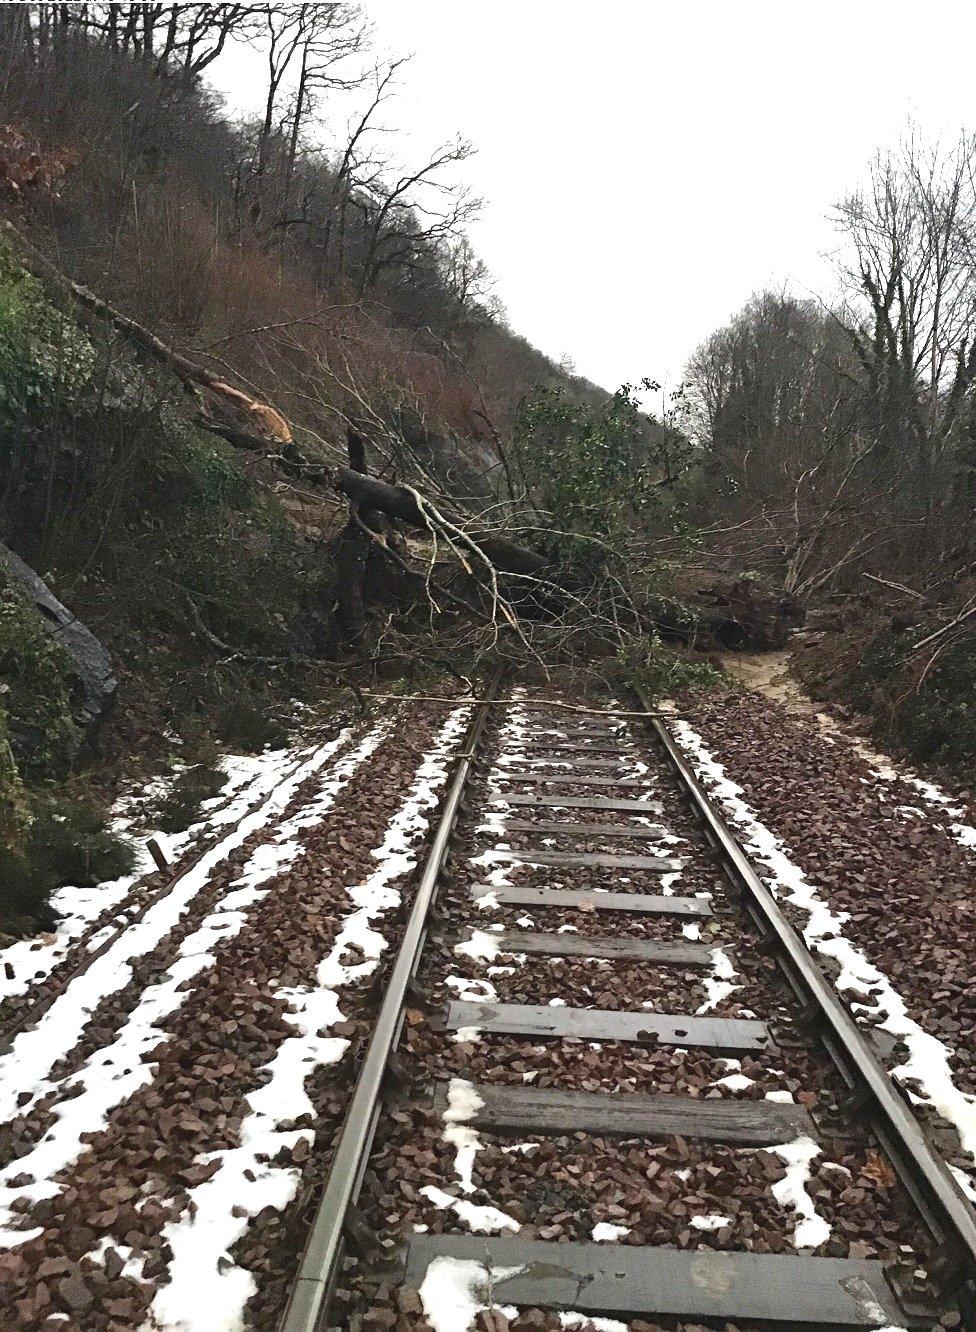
[183,39]
[912,289]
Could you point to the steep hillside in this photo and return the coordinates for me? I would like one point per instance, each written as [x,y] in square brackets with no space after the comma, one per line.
[212,337]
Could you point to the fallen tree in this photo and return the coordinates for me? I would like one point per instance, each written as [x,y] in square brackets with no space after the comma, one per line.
[268,421]
[591,592]
[407,505]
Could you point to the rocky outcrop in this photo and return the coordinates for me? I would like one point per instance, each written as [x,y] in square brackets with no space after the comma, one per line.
[94,682]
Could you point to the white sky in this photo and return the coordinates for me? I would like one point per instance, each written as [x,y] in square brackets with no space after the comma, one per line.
[647,165]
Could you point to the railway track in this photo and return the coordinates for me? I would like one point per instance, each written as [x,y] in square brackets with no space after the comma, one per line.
[607,1081]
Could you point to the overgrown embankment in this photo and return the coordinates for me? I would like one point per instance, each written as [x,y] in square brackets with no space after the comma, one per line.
[905,664]
[150,530]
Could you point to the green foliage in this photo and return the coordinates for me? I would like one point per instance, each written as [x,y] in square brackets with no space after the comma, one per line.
[649,665]
[150,530]
[598,472]
[179,806]
[15,815]
[67,842]
[109,490]
[47,838]
[34,693]
[44,357]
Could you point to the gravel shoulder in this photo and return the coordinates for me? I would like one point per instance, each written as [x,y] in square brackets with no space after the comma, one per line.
[170,1114]
[877,867]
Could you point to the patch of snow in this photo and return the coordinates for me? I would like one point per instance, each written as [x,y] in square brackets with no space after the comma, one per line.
[964,1182]
[719,985]
[27,961]
[791,1191]
[692,932]
[468,1035]
[482,1220]
[735,1082]
[481,947]
[455,1290]
[573,1319]
[463,1103]
[606,1232]
[477,991]
[710,1222]
[133,1262]
[114,1072]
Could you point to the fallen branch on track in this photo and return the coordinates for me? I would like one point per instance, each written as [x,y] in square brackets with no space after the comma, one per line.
[516,702]
[401,502]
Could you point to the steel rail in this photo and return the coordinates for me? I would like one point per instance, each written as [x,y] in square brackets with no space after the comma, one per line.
[940,1197]
[312,1292]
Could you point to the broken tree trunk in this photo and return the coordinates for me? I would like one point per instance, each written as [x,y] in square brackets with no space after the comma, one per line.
[401,503]
[267,420]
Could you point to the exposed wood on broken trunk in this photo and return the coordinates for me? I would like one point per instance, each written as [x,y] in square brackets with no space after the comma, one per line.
[268,422]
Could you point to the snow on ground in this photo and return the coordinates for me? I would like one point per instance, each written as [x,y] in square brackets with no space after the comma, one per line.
[926,1073]
[463,1103]
[248,778]
[720,984]
[482,1220]
[605,1232]
[887,770]
[205,1288]
[115,1072]
[455,1290]
[710,1222]
[791,1191]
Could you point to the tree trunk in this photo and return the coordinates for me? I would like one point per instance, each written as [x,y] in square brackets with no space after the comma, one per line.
[398,502]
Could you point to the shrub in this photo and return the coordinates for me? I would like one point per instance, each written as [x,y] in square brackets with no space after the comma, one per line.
[934,717]
[15,816]
[45,358]
[601,472]
[179,806]
[649,665]
[67,841]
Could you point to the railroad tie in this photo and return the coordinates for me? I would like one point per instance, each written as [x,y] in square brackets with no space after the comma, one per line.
[540,855]
[583,802]
[643,1281]
[584,751]
[541,1021]
[584,899]
[522,1109]
[569,779]
[555,762]
[600,831]
[605,948]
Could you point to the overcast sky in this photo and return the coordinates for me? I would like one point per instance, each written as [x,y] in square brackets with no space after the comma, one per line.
[646,166]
